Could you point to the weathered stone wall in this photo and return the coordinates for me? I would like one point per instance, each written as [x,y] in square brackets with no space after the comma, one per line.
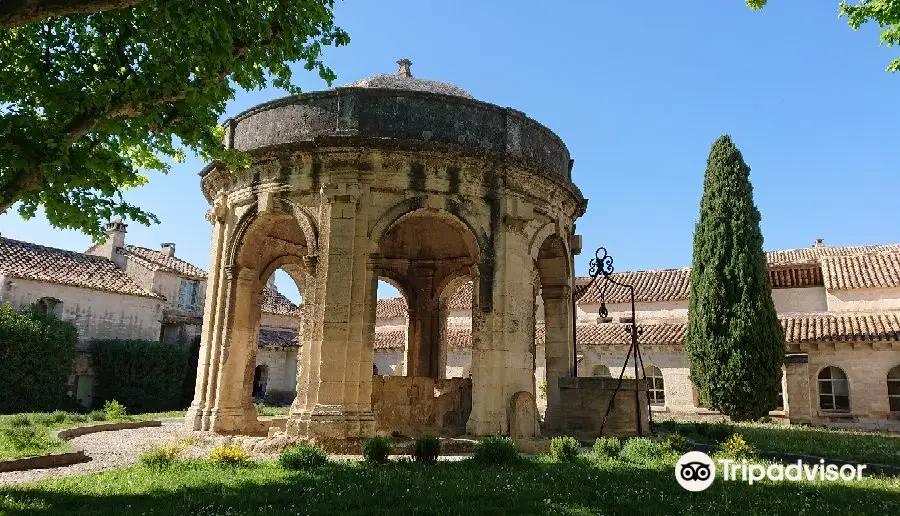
[282,368]
[649,312]
[799,300]
[96,314]
[416,406]
[672,363]
[585,401]
[864,300]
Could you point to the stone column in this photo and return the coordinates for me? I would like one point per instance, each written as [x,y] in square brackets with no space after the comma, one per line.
[422,355]
[308,353]
[557,346]
[501,357]
[233,411]
[331,382]
[216,286]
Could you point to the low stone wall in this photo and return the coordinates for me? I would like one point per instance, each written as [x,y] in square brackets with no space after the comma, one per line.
[584,401]
[416,406]
[55,460]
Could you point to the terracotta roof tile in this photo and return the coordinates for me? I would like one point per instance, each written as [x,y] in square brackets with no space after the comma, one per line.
[390,308]
[156,260]
[390,339]
[39,263]
[462,298]
[658,285]
[813,254]
[278,338]
[861,271]
[274,302]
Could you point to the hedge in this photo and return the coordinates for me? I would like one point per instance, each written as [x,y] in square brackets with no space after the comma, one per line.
[145,376]
[36,355]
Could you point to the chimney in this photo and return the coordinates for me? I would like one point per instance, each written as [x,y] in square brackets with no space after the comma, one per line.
[820,242]
[115,231]
[168,248]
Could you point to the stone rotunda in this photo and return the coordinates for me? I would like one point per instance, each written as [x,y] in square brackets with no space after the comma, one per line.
[416,183]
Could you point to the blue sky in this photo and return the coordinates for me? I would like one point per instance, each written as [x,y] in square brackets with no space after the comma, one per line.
[638,91]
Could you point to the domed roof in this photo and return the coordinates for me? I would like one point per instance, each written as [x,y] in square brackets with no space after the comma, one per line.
[404,80]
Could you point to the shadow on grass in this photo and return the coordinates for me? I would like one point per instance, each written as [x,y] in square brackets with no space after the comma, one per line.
[531,487]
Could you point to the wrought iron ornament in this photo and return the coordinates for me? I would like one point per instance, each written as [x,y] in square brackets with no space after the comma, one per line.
[602,267]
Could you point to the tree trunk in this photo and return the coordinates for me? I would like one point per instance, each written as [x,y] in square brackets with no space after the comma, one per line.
[15,13]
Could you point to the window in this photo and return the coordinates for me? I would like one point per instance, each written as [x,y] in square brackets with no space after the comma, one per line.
[49,306]
[187,296]
[601,370]
[893,381]
[655,387]
[834,390]
[779,400]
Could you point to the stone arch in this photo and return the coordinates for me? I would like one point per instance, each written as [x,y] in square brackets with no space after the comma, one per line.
[308,224]
[415,204]
[553,266]
[240,230]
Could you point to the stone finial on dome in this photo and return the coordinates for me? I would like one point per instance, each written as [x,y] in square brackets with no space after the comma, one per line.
[404,70]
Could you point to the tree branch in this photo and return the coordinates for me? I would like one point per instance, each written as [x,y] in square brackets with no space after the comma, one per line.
[15,13]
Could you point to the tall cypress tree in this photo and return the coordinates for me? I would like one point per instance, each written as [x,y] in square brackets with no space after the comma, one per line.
[734,339]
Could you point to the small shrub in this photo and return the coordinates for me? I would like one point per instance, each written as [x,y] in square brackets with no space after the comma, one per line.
[720,431]
[27,438]
[564,449]
[738,448]
[78,418]
[97,415]
[672,444]
[496,450]
[230,455]
[19,420]
[57,417]
[639,450]
[607,447]
[427,449]
[113,410]
[376,450]
[543,389]
[162,456]
[303,457]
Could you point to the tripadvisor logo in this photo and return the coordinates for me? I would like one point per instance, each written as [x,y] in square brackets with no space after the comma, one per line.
[695,471]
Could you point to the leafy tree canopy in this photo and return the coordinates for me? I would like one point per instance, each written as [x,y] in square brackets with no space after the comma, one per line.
[886,13]
[90,99]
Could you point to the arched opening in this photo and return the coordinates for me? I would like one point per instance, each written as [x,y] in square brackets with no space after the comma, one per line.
[279,344]
[834,390]
[391,329]
[49,306]
[656,388]
[456,326]
[893,387]
[260,379]
[554,276]
[425,268]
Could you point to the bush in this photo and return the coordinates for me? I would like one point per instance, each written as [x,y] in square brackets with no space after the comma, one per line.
[376,450]
[27,438]
[427,449]
[720,431]
[496,450]
[738,448]
[672,444]
[230,455]
[608,447]
[19,420]
[190,373]
[145,376]
[97,415]
[161,456]
[114,410]
[639,450]
[36,355]
[303,457]
[564,449]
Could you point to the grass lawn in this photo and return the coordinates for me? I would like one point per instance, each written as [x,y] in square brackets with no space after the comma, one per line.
[880,448]
[540,486]
[26,435]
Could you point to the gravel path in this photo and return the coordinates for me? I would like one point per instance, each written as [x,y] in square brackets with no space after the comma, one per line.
[111,449]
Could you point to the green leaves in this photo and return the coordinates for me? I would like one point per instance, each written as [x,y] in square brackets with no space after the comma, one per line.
[87,102]
[734,340]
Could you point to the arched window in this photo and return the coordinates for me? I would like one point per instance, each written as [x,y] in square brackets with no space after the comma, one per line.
[49,306]
[260,379]
[655,387]
[374,370]
[893,381]
[834,390]
[601,370]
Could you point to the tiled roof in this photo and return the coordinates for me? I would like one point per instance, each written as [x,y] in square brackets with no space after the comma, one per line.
[462,299]
[812,254]
[802,328]
[274,302]
[861,271]
[658,285]
[156,260]
[279,338]
[390,308]
[39,263]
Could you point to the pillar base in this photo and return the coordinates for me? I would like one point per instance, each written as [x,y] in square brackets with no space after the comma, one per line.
[331,422]
[243,421]
[194,418]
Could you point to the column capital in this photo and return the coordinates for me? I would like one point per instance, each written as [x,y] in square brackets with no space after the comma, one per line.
[310,262]
[232,271]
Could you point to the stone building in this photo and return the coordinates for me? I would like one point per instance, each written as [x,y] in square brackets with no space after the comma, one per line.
[119,291]
[839,306]
[416,183]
